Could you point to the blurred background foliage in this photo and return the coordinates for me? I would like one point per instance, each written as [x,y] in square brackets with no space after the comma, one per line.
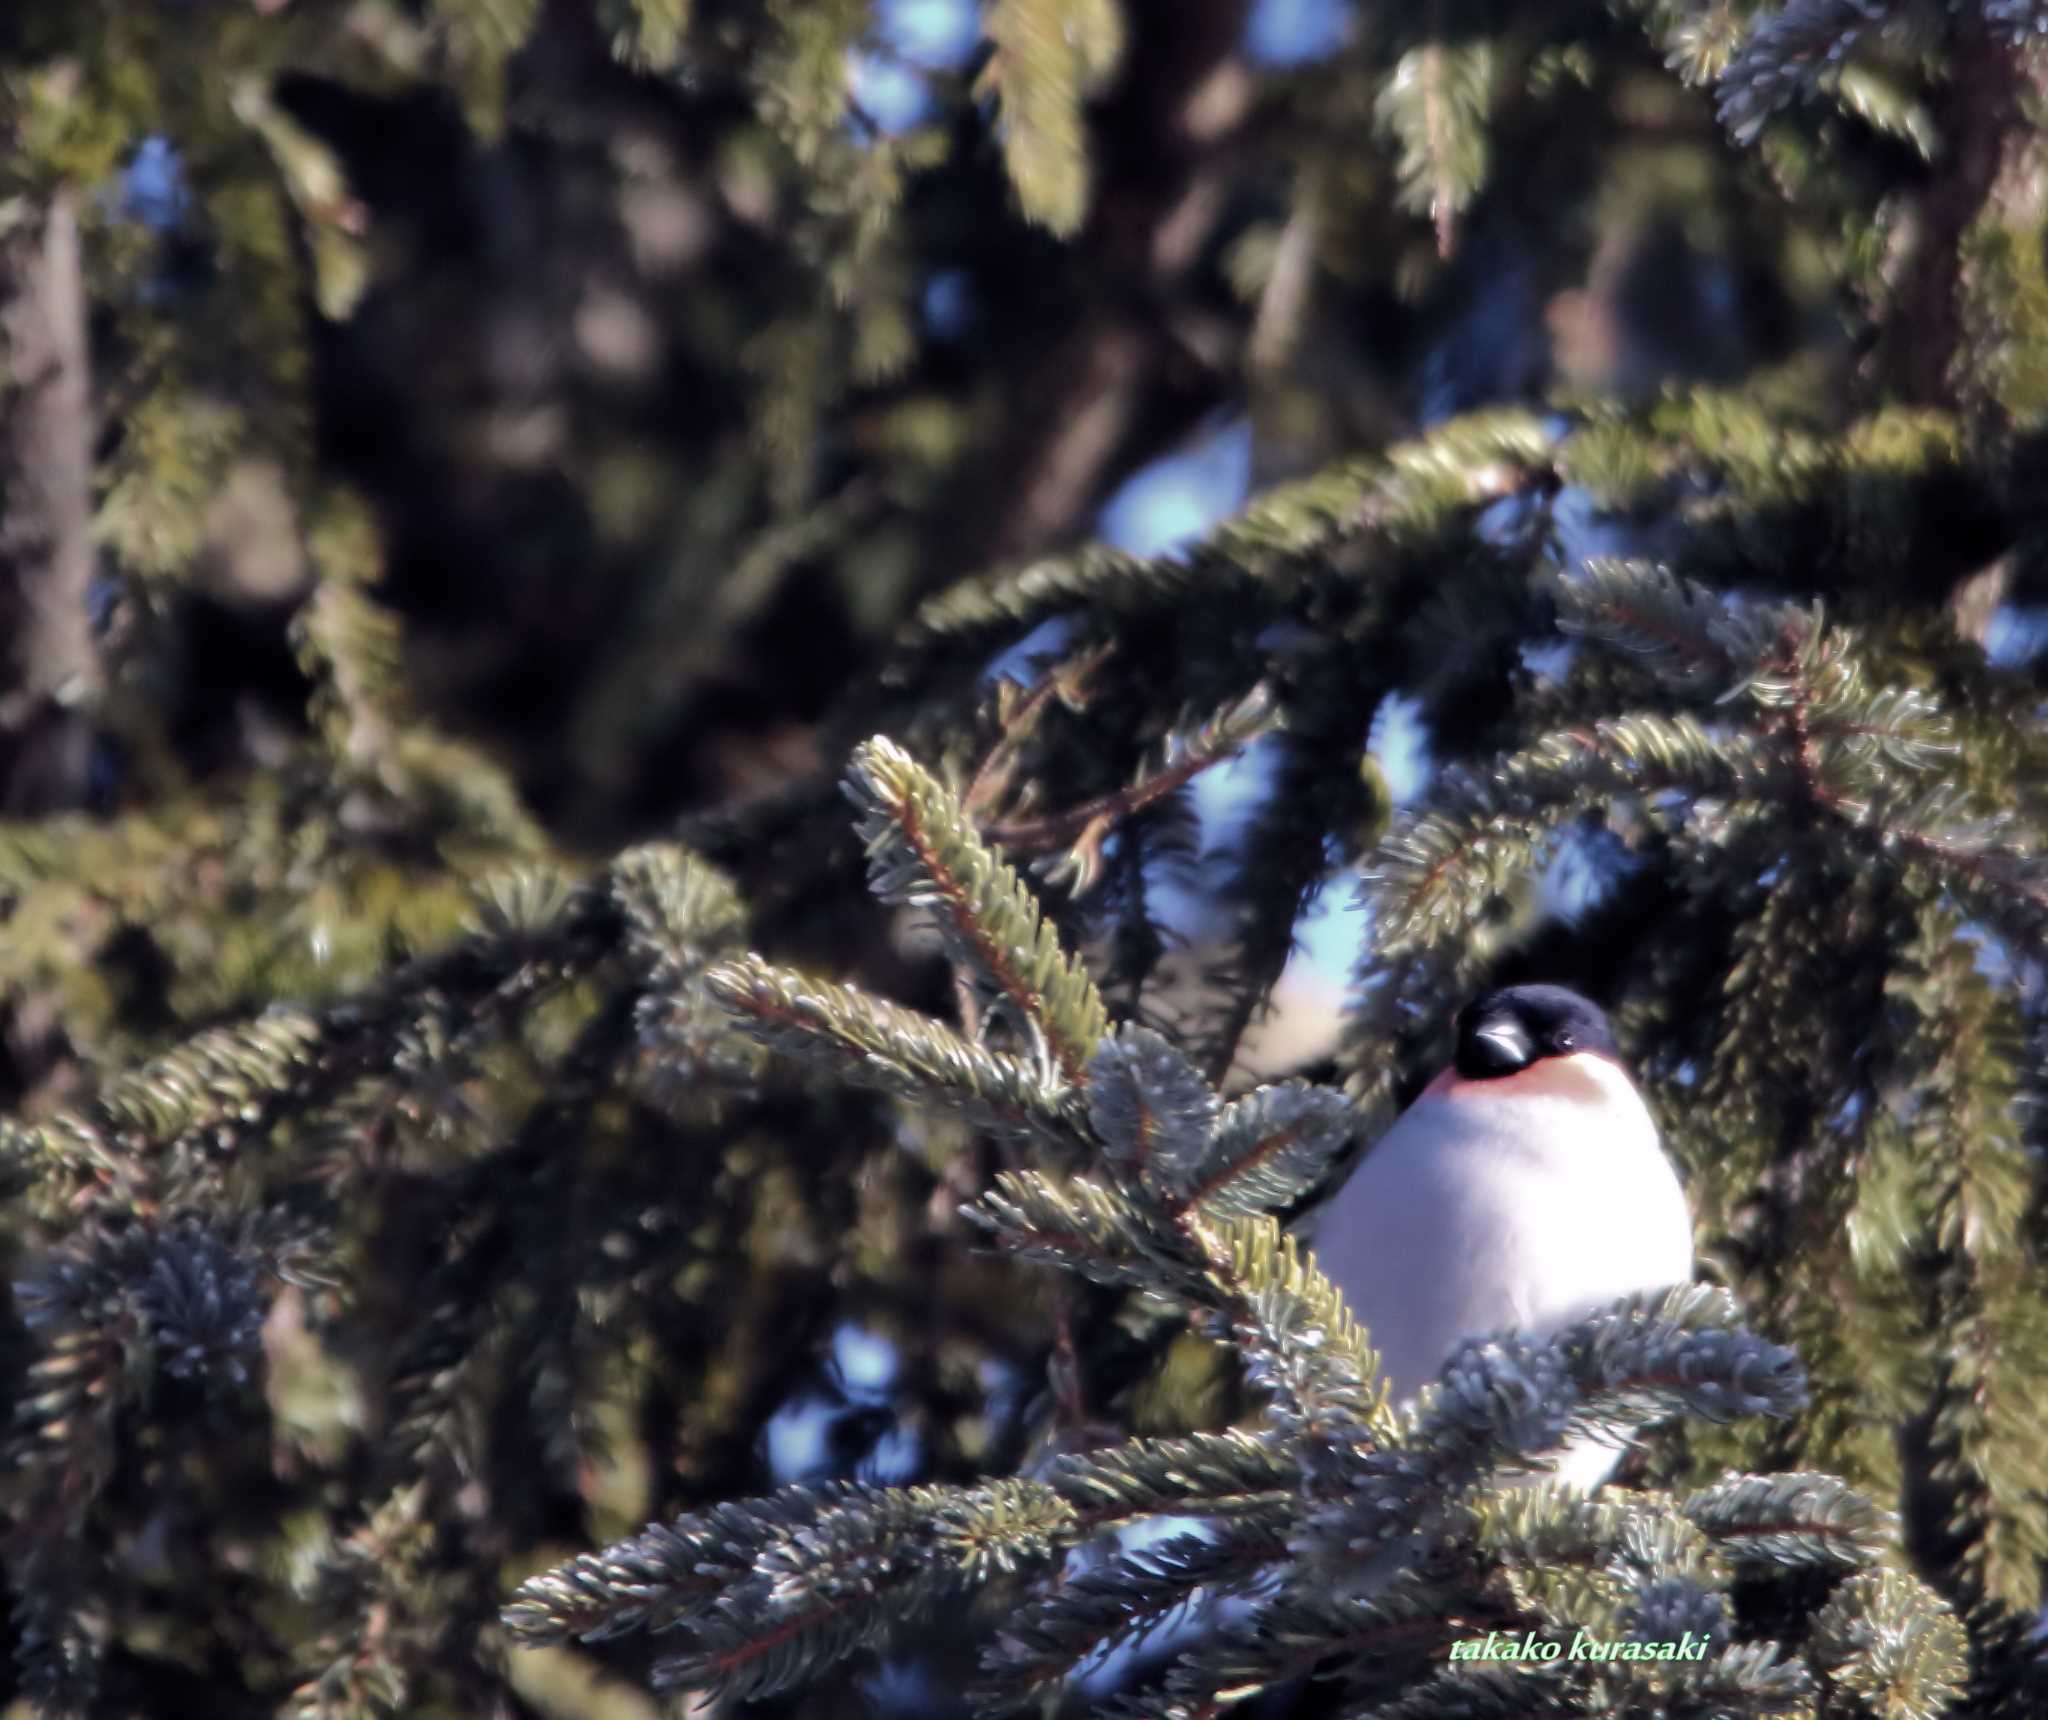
[455,451]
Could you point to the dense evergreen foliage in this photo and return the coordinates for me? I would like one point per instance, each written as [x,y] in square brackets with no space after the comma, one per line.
[482,482]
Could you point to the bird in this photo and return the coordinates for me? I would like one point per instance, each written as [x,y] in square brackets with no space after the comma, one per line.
[1526,1187]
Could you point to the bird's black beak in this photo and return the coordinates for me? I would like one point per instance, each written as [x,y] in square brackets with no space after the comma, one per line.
[1494,1045]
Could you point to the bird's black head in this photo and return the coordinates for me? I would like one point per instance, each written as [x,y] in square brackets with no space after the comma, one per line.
[1501,1032]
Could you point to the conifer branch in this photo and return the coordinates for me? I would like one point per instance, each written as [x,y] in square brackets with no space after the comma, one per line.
[218,1084]
[1160,846]
[1570,1555]
[1277,545]
[1229,1474]
[1121,1602]
[667,1574]
[775,1591]
[976,612]
[381,753]
[227,1086]
[1019,713]
[1086,1227]
[1434,108]
[1077,832]
[1677,628]
[1321,788]
[898,1050]
[1787,51]
[1303,1350]
[1511,1401]
[1047,55]
[1443,863]
[114,1316]
[1792,1519]
[542,1189]
[1685,1351]
[1301,1629]
[1953,1087]
[679,914]
[770,1594]
[1153,1114]
[525,1236]
[923,853]
[1270,1148]
[1885,1641]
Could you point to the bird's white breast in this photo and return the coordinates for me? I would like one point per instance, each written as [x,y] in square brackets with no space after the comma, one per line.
[1529,1201]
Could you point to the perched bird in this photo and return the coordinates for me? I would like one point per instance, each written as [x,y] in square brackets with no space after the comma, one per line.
[1526,1187]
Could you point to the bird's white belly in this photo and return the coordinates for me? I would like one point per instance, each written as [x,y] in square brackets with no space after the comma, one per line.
[1478,1217]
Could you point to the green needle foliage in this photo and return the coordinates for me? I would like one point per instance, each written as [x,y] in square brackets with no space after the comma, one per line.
[482,483]
[1165,1190]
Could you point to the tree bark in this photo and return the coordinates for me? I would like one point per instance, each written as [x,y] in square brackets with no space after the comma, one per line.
[48,665]
[1982,117]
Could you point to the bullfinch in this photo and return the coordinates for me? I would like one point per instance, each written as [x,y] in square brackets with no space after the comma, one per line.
[1526,1187]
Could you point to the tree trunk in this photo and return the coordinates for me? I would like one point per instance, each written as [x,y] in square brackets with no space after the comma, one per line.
[47,661]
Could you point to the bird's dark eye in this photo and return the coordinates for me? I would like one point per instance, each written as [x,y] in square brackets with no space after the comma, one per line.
[1565,1041]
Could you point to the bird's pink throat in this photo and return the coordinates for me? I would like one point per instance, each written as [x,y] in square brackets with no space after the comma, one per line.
[1575,1076]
